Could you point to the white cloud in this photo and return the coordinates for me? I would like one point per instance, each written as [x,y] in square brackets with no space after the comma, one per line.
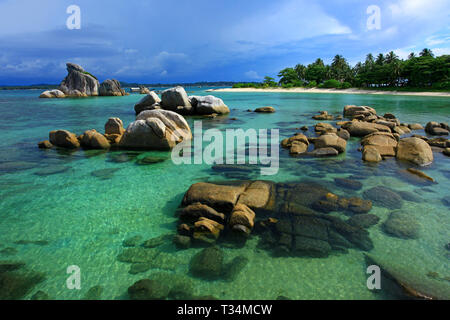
[441,51]
[435,40]
[420,9]
[293,20]
[252,75]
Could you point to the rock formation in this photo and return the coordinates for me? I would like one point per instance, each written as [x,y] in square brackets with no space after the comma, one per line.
[79,83]
[111,87]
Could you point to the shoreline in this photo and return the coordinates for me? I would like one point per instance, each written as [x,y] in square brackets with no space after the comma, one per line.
[335,91]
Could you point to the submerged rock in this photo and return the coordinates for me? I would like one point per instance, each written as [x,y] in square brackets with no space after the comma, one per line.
[364,220]
[147,289]
[234,268]
[16,285]
[207,264]
[94,293]
[402,225]
[40,295]
[104,173]
[52,170]
[412,283]
[132,242]
[385,197]
[348,183]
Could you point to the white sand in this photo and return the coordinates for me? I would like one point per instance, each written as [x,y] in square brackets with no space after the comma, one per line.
[344,91]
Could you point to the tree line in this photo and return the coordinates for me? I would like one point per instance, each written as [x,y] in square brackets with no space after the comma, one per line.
[383,71]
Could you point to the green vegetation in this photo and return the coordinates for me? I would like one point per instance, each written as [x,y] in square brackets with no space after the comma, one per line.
[385,72]
[90,74]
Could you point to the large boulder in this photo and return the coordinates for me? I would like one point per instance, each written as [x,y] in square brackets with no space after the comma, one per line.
[361,129]
[207,264]
[384,142]
[92,139]
[330,140]
[64,139]
[297,144]
[384,197]
[358,112]
[150,102]
[415,150]
[114,126]
[437,129]
[156,130]
[206,105]
[111,87]
[402,225]
[52,94]
[78,82]
[176,99]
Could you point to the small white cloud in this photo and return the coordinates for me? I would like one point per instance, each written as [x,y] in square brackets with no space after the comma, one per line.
[440,51]
[435,40]
[163,73]
[252,75]
[130,51]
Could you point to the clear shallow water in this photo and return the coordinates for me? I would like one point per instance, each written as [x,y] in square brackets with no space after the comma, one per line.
[85,218]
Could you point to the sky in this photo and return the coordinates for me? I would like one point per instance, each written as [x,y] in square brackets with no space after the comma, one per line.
[207,40]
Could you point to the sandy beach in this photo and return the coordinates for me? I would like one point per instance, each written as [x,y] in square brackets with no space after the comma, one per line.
[344,91]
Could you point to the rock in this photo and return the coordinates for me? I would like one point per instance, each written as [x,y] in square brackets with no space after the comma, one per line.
[361,129]
[383,142]
[92,139]
[182,242]
[56,169]
[297,144]
[446,152]
[258,195]
[207,264]
[9,251]
[150,160]
[324,152]
[415,126]
[208,105]
[52,94]
[402,225]
[265,110]
[348,183]
[322,128]
[137,255]
[330,140]
[304,128]
[150,102]
[176,99]
[323,116]
[420,174]
[114,126]
[196,210]
[414,150]
[384,197]
[111,87]
[364,220]
[207,230]
[311,247]
[156,129]
[140,267]
[389,116]
[157,241]
[6,266]
[79,82]
[132,242]
[371,154]
[94,293]
[220,197]
[40,295]
[437,129]
[64,139]
[411,281]
[16,285]
[45,145]
[358,205]
[242,215]
[352,112]
[438,142]
[104,174]
[344,134]
[147,289]
[234,268]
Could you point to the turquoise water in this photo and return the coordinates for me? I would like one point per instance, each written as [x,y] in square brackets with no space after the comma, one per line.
[52,195]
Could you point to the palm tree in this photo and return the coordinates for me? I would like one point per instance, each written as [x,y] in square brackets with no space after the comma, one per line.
[390,57]
[412,55]
[426,53]
[301,71]
[380,59]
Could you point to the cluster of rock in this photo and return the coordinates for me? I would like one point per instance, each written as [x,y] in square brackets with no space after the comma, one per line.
[329,143]
[79,83]
[290,218]
[177,100]
[380,137]
[324,116]
[152,130]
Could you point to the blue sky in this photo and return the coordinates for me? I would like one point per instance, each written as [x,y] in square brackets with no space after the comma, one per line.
[195,40]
